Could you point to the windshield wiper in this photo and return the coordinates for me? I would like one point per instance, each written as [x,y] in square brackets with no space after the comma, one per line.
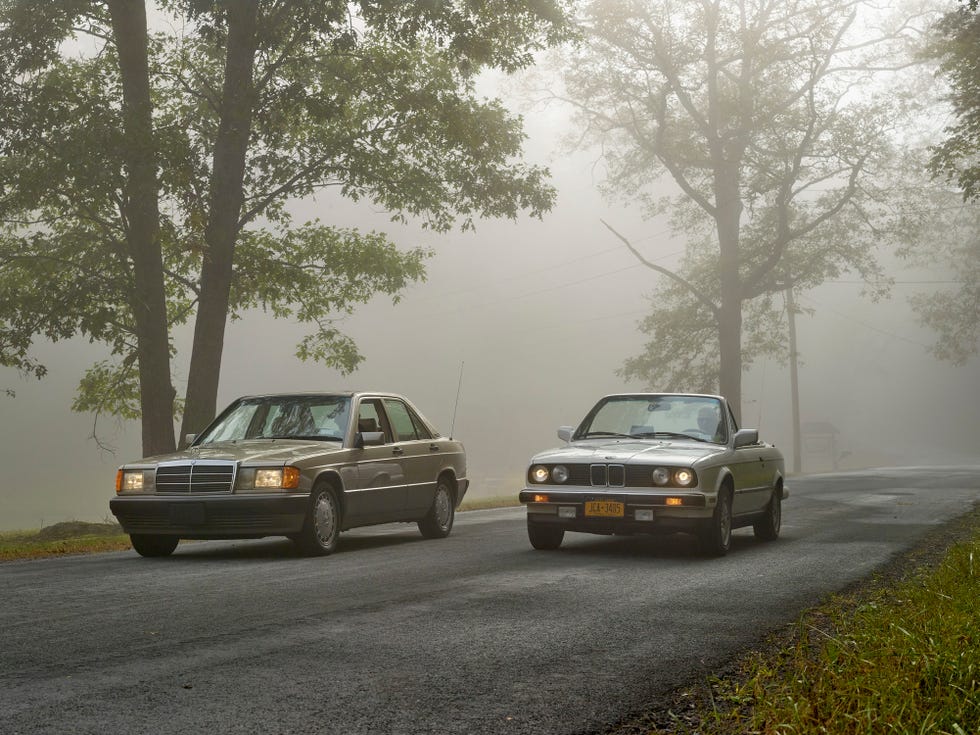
[674,435]
[587,434]
[309,437]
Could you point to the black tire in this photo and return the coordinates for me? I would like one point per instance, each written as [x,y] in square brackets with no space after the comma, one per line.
[544,537]
[152,545]
[768,528]
[438,522]
[321,529]
[716,538]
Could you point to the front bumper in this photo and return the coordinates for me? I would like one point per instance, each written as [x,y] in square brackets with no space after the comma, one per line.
[212,517]
[644,511]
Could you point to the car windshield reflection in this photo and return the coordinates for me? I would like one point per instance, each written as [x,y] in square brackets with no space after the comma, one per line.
[314,417]
[696,418]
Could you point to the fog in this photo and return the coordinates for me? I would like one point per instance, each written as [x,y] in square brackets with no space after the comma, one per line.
[535,317]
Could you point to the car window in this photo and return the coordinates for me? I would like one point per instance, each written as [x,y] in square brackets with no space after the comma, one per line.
[234,425]
[421,429]
[646,416]
[282,417]
[401,421]
[370,417]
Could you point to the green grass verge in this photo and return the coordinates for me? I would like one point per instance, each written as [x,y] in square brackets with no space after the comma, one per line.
[900,655]
[71,537]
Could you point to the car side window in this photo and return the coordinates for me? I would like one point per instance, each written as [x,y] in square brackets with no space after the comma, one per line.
[732,424]
[421,429]
[401,421]
[370,417]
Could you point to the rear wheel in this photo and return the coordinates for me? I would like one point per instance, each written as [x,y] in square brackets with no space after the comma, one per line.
[768,528]
[153,545]
[321,528]
[438,522]
[544,537]
[716,538]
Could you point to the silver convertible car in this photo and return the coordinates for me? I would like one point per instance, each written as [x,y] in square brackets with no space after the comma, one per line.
[306,466]
[656,463]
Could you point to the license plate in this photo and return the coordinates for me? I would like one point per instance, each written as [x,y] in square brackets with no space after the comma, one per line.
[605,508]
[187,514]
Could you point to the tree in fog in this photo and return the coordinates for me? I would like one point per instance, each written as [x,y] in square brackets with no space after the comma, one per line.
[953,239]
[144,184]
[768,117]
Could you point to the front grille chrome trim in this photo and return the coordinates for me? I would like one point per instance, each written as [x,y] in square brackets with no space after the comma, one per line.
[198,477]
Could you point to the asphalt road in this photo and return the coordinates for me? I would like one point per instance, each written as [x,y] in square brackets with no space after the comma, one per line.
[476,633]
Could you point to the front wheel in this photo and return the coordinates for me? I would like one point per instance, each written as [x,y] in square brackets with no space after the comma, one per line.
[716,539]
[153,545]
[321,528]
[438,522]
[768,528]
[544,537]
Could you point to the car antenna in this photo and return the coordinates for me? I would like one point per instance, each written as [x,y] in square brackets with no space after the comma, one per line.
[459,387]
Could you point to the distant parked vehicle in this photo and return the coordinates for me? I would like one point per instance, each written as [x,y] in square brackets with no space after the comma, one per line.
[656,463]
[302,465]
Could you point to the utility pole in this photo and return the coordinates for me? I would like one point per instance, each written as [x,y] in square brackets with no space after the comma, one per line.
[794,385]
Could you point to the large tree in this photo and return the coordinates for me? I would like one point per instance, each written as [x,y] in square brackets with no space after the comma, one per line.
[953,238]
[765,116]
[253,104]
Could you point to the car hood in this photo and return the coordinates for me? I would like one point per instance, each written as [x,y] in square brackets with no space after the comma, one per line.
[629,451]
[272,451]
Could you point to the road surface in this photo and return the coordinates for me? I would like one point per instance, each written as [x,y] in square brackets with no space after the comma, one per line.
[476,633]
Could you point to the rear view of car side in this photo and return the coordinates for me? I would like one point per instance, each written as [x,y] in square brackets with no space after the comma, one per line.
[656,463]
[302,465]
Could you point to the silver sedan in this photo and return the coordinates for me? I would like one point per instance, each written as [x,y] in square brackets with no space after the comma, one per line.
[302,465]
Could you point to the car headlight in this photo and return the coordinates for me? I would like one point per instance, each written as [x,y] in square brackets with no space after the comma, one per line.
[135,481]
[559,473]
[663,476]
[684,478]
[539,473]
[268,478]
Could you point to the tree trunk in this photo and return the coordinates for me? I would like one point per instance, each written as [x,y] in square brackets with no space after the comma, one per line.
[225,204]
[728,215]
[142,217]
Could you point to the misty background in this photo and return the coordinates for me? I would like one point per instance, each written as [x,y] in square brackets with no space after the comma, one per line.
[536,317]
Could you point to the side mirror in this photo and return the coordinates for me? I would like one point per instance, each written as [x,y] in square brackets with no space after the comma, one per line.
[189,439]
[745,437]
[368,439]
[565,433]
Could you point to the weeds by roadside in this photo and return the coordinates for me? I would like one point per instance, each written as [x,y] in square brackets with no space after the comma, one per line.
[900,654]
[70,537]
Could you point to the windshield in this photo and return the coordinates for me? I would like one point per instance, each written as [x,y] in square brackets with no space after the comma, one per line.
[695,417]
[281,417]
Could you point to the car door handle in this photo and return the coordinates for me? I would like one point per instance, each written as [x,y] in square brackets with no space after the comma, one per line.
[397,450]
[433,447]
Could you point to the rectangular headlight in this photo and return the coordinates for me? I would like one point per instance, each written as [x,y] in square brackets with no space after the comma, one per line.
[268,478]
[135,481]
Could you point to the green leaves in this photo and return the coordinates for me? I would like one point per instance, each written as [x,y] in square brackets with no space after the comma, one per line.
[374,99]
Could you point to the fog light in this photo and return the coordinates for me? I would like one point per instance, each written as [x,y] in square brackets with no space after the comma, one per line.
[674,501]
[566,511]
[643,514]
[540,498]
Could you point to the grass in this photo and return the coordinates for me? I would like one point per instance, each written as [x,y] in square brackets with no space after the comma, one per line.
[70,537]
[896,656]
